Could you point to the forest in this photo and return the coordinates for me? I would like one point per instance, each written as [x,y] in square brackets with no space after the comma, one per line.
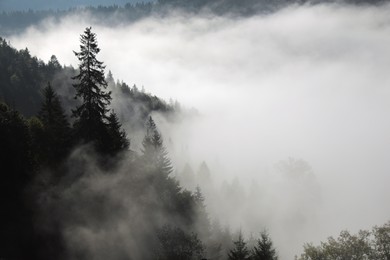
[77,185]
[47,158]
[17,21]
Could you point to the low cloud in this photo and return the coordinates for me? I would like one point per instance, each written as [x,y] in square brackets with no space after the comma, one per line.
[307,82]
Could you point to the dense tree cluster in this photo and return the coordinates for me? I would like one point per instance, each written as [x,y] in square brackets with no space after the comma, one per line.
[263,250]
[23,75]
[114,14]
[67,175]
[374,244]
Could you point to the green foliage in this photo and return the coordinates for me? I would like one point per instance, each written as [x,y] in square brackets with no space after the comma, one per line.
[264,249]
[240,250]
[363,245]
[381,244]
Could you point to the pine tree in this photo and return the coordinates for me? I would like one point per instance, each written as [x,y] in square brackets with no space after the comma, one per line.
[240,251]
[203,226]
[203,221]
[264,249]
[91,115]
[176,244]
[154,152]
[117,137]
[55,142]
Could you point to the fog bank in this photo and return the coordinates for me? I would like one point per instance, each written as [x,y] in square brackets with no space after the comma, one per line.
[307,82]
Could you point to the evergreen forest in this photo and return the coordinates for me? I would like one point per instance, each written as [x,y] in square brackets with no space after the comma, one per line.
[75,186]
[54,158]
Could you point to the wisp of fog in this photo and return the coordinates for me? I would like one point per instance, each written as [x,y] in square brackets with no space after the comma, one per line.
[293,109]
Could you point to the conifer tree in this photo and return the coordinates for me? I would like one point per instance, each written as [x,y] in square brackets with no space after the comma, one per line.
[240,250]
[17,171]
[264,249]
[117,137]
[203,221]
[56,129]
[203,226]
[154,152]
[176,244]
[91,115]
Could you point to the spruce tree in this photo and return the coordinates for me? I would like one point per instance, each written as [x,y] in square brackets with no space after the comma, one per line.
[203,221]
[91,115]
[55,141]
[117,140]
[154,152]
[176,244]
[264,249]
[240,250]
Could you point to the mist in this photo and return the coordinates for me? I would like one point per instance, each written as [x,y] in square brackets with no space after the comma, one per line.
[306,82]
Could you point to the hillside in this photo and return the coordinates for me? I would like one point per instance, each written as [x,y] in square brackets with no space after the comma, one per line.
[23,78]
[107,13]
[49,186]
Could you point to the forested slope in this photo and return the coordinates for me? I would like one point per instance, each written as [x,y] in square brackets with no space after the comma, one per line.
[17,21]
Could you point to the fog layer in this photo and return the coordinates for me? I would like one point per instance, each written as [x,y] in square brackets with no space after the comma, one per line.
[308,82]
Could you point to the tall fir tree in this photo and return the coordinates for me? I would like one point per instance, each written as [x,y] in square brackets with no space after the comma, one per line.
[91,115]
[264,249]
[240,250]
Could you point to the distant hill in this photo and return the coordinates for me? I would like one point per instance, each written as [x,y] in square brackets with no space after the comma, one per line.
[25,5]
[18,15]
[23,77]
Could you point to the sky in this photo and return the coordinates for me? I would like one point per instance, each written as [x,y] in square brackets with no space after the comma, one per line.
[306,82]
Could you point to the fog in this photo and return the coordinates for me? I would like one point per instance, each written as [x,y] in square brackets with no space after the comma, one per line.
[306,82]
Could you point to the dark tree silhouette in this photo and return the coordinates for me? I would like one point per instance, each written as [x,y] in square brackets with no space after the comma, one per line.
[240,250]
[35,210]
[264,249]
[175,244]
[91,115]
[17,170]
[56,130]
[117,137]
